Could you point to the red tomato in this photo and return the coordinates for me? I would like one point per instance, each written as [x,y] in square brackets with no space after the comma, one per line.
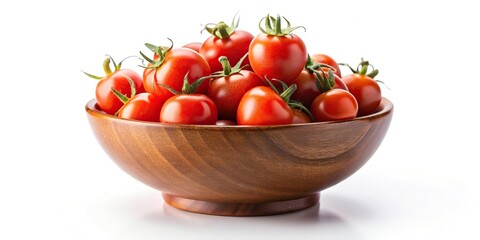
[263,106]
[323,58]
[300,117]
[278,57]
[143,106]
[307,88]
[106,99]
[195,46]
[234,47]
[189,109]
[277,53]
[366,91]
[177,63]
[335,104]
[227,91]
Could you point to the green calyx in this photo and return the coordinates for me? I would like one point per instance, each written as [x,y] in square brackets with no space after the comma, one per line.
[286,94]
[227,68]
[273,26]
[362,68]
[221,29]
[158,51]
[187,88]
[123,97]
[106,67]
[324,82]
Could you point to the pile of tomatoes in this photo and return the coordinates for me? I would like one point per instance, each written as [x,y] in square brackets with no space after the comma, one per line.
[234,77]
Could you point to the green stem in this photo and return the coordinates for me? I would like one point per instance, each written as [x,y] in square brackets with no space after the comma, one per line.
[278,26]
[299,105]
[222,29]
[310,64]
[122,97]
[106,66]
[364,68]
[227,69]
[273,26]
[324,82]
[188,88]
[285,95]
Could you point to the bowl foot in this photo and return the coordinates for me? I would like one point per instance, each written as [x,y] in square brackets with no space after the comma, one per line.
[241,209]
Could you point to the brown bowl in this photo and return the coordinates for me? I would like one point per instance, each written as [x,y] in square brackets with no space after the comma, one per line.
[240,170]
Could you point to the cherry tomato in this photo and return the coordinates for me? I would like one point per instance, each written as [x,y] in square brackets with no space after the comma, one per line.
[189,109]
[117,79]
[234,47]
[300,116]
[323,58]
[307,88]
[195,46]
[334,104]
[366,91]
[227,91]
[278,57]
[277,54]
[363,86]
[175,66]
[263,106]
[106,99]
[143,106]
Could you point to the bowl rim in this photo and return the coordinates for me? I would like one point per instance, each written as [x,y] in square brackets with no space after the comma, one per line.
[386,107]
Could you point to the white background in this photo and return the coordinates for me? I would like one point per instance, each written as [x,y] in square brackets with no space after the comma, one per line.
[57,183]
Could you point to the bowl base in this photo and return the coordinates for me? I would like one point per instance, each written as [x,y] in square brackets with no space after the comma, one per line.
[241,209]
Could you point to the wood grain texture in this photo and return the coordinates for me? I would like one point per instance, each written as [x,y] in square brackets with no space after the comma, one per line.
[240,164]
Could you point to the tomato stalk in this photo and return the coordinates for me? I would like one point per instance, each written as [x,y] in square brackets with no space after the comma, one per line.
[323,82]
[187,88]
[227,68]
[122,97]
[221,29]
[158,51]
[106,67]
[362,68]
[273,26]
[286,94]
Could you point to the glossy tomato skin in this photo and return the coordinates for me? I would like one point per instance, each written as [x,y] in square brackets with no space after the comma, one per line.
[234,48]
[262,106]
[326,59]
[366,91]
[195,46]
[335,104]
[279,57]
[178,62]
[143,106]
[300,117]
[307,88]
[106,99]
[227,92]
[189,109]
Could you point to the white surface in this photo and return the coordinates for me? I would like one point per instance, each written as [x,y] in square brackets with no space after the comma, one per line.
[57,183]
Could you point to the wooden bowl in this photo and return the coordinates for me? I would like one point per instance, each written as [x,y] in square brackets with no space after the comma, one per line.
[240,170]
